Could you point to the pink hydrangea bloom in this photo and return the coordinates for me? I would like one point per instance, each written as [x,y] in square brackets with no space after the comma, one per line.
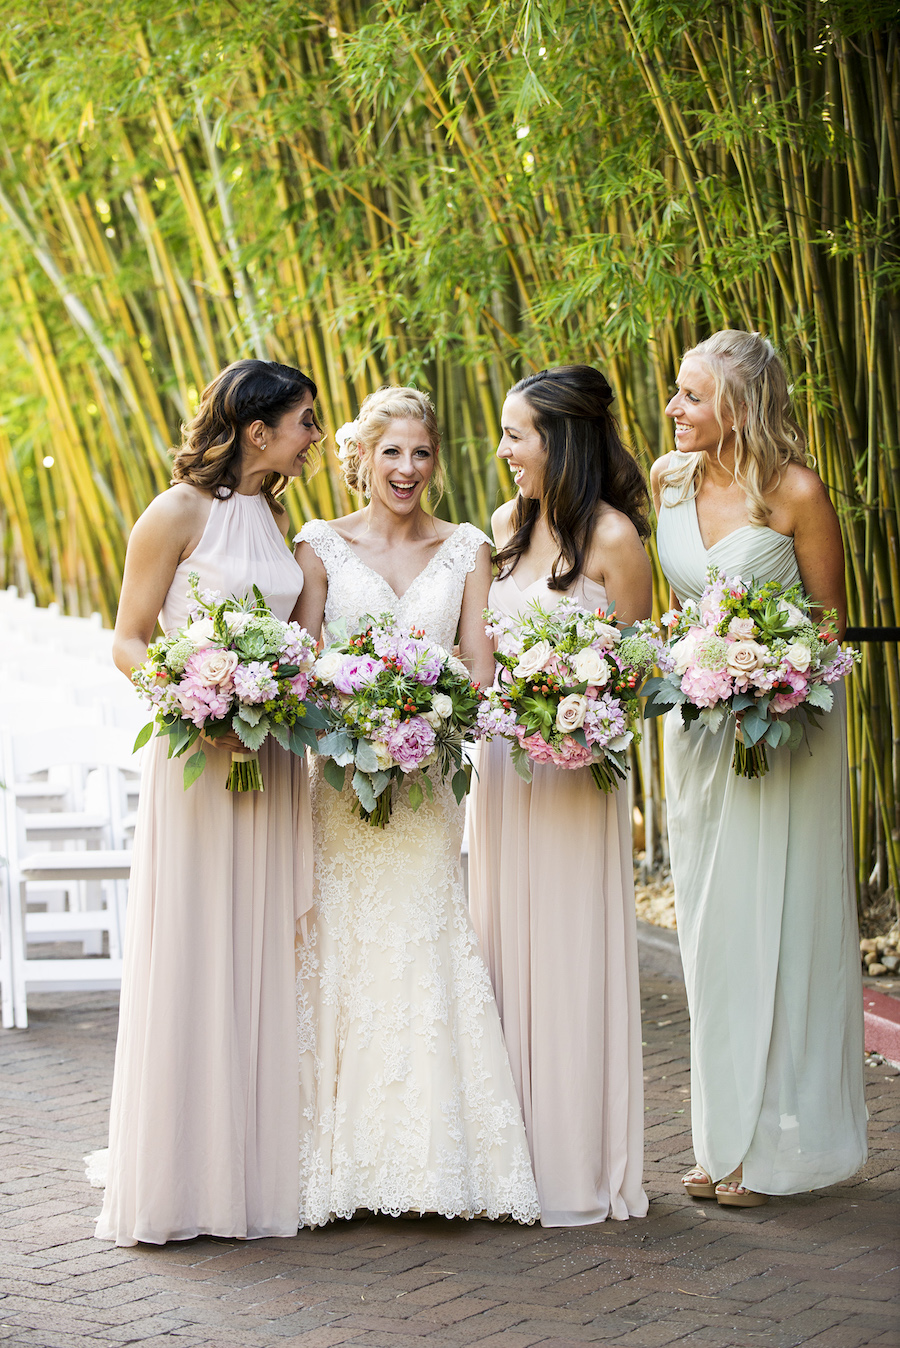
[571,754]
[202,703]
[535,746]
[706,687]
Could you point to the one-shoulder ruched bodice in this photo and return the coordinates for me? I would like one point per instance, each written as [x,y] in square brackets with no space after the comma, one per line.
[766,910]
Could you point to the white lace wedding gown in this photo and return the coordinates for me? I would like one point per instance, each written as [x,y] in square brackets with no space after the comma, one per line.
[408,1100]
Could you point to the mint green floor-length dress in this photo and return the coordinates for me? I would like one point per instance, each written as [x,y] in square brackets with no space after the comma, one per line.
[765,903]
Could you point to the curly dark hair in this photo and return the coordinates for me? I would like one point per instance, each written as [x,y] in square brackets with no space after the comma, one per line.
[587,466]
[244,392]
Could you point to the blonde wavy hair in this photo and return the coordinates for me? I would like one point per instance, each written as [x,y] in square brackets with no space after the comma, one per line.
[752,393]
[244,392]
[390,403]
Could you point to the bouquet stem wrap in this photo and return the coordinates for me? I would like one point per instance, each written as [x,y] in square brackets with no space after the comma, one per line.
[749,760]
[245,774]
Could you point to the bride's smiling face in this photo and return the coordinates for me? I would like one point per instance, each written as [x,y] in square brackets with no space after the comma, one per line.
[401,466]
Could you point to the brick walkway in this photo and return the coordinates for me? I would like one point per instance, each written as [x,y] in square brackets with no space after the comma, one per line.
[818,1269]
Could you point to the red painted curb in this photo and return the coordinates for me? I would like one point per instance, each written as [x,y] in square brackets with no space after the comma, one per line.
[882,1017]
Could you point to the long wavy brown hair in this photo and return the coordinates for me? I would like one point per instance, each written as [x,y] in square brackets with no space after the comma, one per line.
[587,466]
[244,392]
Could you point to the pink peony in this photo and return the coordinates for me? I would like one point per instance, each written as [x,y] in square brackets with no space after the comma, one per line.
[356,672]
[410,742]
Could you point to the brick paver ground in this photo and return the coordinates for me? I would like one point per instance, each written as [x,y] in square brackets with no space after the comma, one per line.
[819,1269]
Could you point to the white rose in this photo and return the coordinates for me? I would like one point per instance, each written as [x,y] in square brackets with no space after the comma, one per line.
[799,655]
[327,666]
[346,437]
[570,713]
[382,755]
[201,632]
[589,666]
[795,617]
[744,657]
[607,635]
[456,666]
[682,653]
[236,623]
[443,705]
[533,660]
[214,667]
[742,628]
[432,718]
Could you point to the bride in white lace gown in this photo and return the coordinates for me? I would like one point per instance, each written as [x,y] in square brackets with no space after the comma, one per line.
[408,1099]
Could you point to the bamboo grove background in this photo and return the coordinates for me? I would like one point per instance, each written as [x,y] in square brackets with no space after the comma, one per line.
[450,193]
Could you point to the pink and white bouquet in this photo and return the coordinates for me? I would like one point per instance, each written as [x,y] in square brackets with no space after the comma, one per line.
[751,651]
[398,707]
[567,689]
[235,666]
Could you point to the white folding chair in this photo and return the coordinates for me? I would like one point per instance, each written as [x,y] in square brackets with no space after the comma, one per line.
[107,752]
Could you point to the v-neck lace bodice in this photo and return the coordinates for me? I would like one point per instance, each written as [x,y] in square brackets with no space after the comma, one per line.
[431,600]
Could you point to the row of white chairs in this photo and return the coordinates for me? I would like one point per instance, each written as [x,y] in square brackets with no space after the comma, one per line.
[68,793]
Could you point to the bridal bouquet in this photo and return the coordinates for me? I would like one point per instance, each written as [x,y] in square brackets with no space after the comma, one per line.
[396,704]
[567,690]
[751,651]
[235,666]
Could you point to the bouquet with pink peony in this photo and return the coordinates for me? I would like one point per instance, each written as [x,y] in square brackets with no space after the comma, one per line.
[751,651]
[398,707]
[235,666]
[567,689]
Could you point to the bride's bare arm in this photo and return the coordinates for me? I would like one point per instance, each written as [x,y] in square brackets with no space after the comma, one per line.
[475,646]
[309,611]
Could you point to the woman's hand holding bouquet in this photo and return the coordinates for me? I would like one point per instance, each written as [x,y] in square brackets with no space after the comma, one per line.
[751,651]
[567,690]
[234,667]
[398,707]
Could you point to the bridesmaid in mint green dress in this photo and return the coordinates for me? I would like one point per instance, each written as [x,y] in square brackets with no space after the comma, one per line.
[764,877]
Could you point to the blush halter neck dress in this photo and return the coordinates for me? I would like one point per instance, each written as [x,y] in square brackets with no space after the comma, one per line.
[205,1115]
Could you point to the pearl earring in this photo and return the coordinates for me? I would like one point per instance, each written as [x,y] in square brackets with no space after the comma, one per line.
[263,447]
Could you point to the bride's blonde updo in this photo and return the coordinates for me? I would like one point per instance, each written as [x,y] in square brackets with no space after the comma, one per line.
[357,439]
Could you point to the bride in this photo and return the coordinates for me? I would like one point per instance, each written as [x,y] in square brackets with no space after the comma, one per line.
[408,1099]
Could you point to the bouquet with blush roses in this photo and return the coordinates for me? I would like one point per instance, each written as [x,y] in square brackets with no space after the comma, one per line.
[752,651]
[235,666]
[398,707]
[567,689]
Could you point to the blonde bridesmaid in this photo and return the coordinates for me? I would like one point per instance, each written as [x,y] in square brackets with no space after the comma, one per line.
[763,868]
